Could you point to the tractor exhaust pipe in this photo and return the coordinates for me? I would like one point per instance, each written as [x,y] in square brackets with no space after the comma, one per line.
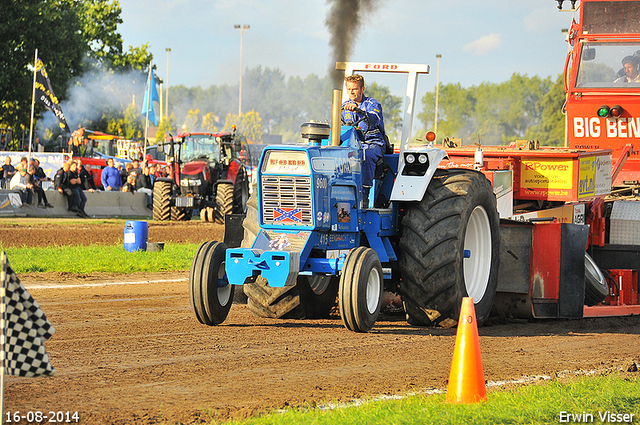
[336,107]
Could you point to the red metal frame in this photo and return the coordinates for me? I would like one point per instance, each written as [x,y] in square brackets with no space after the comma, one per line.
[623,296]
[585,129]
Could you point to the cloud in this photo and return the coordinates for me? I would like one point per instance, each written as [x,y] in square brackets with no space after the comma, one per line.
[484,44]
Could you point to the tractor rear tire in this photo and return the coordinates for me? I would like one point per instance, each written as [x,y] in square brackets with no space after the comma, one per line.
[224,201]
[162,200]
[457,214]
[251,223]
[312,297]
[596,287]
[210,293]
[241,192]
[181,214]
[361,284]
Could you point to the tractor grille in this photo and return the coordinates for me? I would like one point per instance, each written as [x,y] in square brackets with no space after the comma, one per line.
[287,200]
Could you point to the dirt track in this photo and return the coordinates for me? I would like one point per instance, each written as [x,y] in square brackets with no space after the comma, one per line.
[128,349]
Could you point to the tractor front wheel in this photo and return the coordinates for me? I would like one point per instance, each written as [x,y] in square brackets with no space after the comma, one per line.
[360,293]
[210,293]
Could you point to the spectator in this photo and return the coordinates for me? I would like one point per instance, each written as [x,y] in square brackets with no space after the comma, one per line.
[8,169]
[129,185]
[62,185]
[23,165]
[111,177]
[40,174]
[86,177]
[152,174]
[76,186]
[125,173]
[143,184]
[19,182]
[34,185]
[135,169]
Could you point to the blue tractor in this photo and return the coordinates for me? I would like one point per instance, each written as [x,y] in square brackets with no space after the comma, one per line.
[429,235]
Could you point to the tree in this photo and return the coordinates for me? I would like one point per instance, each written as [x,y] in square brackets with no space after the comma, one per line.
[249,124]
[100,21]
[550,130]
[54,29]
[390,109]
[166,127]
[490,114]
[191,121]
[72,37]
[209,122]
[456,111]
[133,123]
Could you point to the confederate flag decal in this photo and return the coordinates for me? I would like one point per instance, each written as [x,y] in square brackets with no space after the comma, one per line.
[287,215]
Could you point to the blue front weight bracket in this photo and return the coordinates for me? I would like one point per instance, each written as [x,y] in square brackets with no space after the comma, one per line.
[280,268]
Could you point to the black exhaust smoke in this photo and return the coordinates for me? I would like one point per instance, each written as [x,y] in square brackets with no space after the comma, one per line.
[343,21]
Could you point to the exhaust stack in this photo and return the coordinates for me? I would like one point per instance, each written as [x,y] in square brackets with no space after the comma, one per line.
[336,106]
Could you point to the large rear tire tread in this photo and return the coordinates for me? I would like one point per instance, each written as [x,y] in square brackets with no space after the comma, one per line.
[241,192]
[251,229]
[277,303]
[224,201]
[291,302]
[432,245]
[181,214]
[251,222]
[162,201]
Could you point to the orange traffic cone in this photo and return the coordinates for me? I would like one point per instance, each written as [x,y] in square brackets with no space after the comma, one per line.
[466,379]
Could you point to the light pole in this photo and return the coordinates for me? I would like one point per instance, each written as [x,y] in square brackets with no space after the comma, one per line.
[241,28]
[435,123]
[166,97]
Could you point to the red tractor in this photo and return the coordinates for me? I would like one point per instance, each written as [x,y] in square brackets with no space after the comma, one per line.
[208,172]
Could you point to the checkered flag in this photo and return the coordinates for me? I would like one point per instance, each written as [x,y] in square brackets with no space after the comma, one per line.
[26,328]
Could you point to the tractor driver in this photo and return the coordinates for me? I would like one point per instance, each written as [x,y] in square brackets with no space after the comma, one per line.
[631,75]
[374,145]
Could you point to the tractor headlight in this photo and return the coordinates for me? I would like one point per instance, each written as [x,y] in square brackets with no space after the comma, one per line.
[416,163]
[189,182]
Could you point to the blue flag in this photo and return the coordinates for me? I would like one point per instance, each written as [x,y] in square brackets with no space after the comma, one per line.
[150,88]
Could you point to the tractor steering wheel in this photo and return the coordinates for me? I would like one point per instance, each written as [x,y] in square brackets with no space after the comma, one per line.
[355,124]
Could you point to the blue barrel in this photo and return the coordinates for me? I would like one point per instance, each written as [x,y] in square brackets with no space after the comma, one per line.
[136,234]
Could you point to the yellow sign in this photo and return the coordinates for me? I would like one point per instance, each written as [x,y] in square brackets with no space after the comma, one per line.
[546,174]
[587,177]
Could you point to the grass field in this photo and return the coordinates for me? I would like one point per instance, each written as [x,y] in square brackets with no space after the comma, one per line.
[101,258]
[610,398]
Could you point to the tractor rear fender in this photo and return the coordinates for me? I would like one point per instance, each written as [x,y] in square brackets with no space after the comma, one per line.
[164,179]
[413,178]
[232,171]
[224,181]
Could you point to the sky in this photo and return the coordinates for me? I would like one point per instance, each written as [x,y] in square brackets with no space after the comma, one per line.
[479,40]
